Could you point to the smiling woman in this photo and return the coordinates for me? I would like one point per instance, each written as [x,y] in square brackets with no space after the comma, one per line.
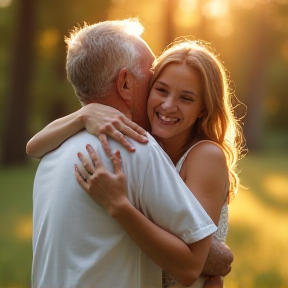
[175,102]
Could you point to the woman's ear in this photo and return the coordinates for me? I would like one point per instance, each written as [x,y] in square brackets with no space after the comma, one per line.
[124,82]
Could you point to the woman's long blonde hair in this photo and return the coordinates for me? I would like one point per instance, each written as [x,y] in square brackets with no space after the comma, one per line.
[219,122]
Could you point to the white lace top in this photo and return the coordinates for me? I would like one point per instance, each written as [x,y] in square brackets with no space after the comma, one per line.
[168,281]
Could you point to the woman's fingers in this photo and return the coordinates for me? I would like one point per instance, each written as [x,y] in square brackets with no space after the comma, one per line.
[82,180]
[93,156]
[119,137]
[117,163]
[135,131]
[85,163]
[118,129]
[105,144]
[109,190]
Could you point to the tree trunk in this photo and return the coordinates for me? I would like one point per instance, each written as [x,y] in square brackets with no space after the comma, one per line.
[170,25]
[256,84]
[15,132]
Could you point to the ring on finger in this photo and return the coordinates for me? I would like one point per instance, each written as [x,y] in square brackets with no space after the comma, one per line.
[90,172]
[120,135]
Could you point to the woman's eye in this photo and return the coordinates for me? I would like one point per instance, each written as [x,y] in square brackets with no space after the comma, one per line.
[162,90]
[187,98]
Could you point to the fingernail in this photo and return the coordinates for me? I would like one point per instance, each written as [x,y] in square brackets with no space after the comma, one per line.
[88,147]
[79,154]
[144,138]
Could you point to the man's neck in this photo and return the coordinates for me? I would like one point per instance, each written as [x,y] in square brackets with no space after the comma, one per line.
[115,101]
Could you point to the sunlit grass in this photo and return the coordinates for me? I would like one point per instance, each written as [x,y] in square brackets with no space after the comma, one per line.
[258,234]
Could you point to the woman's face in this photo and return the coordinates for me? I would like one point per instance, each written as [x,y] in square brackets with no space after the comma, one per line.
[175,101]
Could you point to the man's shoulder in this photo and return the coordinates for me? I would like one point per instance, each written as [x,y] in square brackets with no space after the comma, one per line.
[151,144]
[73,145]
[82,136]
[149,153]
[146,150]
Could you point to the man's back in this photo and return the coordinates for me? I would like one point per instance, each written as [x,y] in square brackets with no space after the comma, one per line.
[77,244]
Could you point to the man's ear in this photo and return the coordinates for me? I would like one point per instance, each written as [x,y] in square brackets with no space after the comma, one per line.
[124,84]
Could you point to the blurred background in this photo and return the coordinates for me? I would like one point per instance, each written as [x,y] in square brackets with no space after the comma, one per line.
[251,37]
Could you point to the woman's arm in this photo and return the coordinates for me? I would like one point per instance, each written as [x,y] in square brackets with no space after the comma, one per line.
[206,174]
[184,262]
[98,119]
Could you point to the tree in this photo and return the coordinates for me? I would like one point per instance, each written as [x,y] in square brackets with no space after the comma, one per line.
[15,133]
[256,82]
[24,84]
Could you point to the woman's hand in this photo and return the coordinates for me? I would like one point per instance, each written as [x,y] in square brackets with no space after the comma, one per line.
[98,119]
[107,189]
[102,120]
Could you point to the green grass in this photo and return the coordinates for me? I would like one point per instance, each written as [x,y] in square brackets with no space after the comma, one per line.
[257,235]
[258,223]
[16,225]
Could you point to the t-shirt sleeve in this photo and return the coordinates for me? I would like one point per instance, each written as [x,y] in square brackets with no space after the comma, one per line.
[167,201]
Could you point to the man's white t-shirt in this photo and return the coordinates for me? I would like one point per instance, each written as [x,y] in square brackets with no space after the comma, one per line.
[77,244]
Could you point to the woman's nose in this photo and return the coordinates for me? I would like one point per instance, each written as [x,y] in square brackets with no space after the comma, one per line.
[169,105]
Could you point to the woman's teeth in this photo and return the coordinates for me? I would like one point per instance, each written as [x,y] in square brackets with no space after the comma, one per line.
[167,119]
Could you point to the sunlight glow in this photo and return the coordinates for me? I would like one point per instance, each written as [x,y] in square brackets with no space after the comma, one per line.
[215,9]
[118,2]
[224,28]
[186,15]
[247,4]
[5,3]
[190,5]
[277,186]
[248,211]
[282,2]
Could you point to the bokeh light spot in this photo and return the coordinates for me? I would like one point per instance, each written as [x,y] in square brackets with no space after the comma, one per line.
[23,228]
[49,39]
[5,3]
[277,186]
[215,9]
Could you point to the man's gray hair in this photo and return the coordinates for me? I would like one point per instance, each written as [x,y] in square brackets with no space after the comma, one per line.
[96,54]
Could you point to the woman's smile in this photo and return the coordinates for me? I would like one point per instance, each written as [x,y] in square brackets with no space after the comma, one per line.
[166,120]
